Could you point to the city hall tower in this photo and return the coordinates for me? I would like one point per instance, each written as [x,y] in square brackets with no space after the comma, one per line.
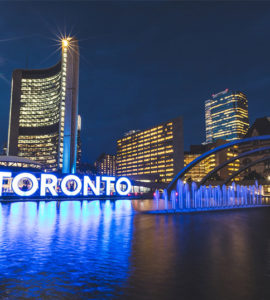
[44,111]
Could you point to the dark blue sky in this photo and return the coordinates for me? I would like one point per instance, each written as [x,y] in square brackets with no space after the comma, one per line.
[143,63]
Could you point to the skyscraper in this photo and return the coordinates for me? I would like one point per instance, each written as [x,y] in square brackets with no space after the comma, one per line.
[226,116]
[79,142]
[44,110]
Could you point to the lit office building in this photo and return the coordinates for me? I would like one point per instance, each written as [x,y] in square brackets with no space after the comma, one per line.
[226,116]
[106,164]
[260,170]
[200,170]
[155,153]
[43,112]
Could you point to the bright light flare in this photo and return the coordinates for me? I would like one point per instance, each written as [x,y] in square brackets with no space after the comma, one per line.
[65,42]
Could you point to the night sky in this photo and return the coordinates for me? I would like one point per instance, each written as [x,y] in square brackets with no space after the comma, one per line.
[142,63]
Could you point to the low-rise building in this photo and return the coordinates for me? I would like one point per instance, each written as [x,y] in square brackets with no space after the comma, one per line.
[156,152]
[201,169]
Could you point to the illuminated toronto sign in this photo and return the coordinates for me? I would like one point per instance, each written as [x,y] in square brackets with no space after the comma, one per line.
[27,184]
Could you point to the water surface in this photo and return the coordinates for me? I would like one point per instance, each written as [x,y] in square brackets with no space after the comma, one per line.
[105,250]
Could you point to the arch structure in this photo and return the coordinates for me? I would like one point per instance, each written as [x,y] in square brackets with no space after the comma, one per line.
[219,167]
[213,151]
[253,163]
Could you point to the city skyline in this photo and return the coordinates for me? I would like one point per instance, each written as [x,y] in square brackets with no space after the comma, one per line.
[135,150]
[117,65]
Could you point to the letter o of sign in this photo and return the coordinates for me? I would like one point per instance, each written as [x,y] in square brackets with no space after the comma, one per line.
[126,181]
[64,185]
[18,191]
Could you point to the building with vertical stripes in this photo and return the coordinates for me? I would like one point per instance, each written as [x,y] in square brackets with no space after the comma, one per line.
[44,110]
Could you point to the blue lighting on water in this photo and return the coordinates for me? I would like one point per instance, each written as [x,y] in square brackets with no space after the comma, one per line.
[104,250]
[67,240]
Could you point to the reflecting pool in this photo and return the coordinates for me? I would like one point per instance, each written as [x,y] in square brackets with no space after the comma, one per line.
[105,250]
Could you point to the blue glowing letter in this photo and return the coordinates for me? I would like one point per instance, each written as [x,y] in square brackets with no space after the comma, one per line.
[88,182]
[120,181]
[108,180]
[64,185]
[18,191]
[50,185]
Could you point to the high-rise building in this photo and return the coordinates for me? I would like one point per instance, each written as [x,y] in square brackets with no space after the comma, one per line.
[226,116]
[106,164]
[156,153]
[43,112]
[79,142]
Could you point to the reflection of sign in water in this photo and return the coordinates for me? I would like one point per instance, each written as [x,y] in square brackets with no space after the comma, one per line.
[26,184]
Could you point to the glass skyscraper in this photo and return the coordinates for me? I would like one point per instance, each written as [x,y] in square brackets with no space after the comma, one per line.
[226,116]
[44,111]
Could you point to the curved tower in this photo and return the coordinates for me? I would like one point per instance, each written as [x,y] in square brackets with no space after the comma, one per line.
[44,111]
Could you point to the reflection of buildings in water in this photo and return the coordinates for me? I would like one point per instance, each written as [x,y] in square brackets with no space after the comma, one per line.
[230,252]
[143,205]
[153,256]
[171,253]
[136,256]
[91,237]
